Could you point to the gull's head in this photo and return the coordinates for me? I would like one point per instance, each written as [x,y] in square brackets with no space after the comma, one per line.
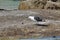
[32,18]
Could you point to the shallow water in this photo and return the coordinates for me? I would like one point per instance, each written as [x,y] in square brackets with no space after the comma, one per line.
[45,38]
[9,4]
[40,39]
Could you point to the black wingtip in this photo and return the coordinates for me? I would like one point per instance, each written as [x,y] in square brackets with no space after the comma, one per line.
[38,18]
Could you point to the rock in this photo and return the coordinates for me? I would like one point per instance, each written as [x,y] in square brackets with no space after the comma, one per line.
[52,5]
[54,0]
[23,5]
[39,4]
[32,4]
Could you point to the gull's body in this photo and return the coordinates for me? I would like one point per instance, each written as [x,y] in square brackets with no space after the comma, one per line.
[39,20]
[35,18]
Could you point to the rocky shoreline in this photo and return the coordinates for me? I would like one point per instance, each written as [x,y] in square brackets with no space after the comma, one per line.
[15,23]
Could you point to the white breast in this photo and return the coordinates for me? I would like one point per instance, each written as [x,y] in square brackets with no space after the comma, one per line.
[32,18]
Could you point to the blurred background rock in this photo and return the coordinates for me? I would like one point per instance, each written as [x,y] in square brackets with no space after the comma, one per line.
[39,4]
